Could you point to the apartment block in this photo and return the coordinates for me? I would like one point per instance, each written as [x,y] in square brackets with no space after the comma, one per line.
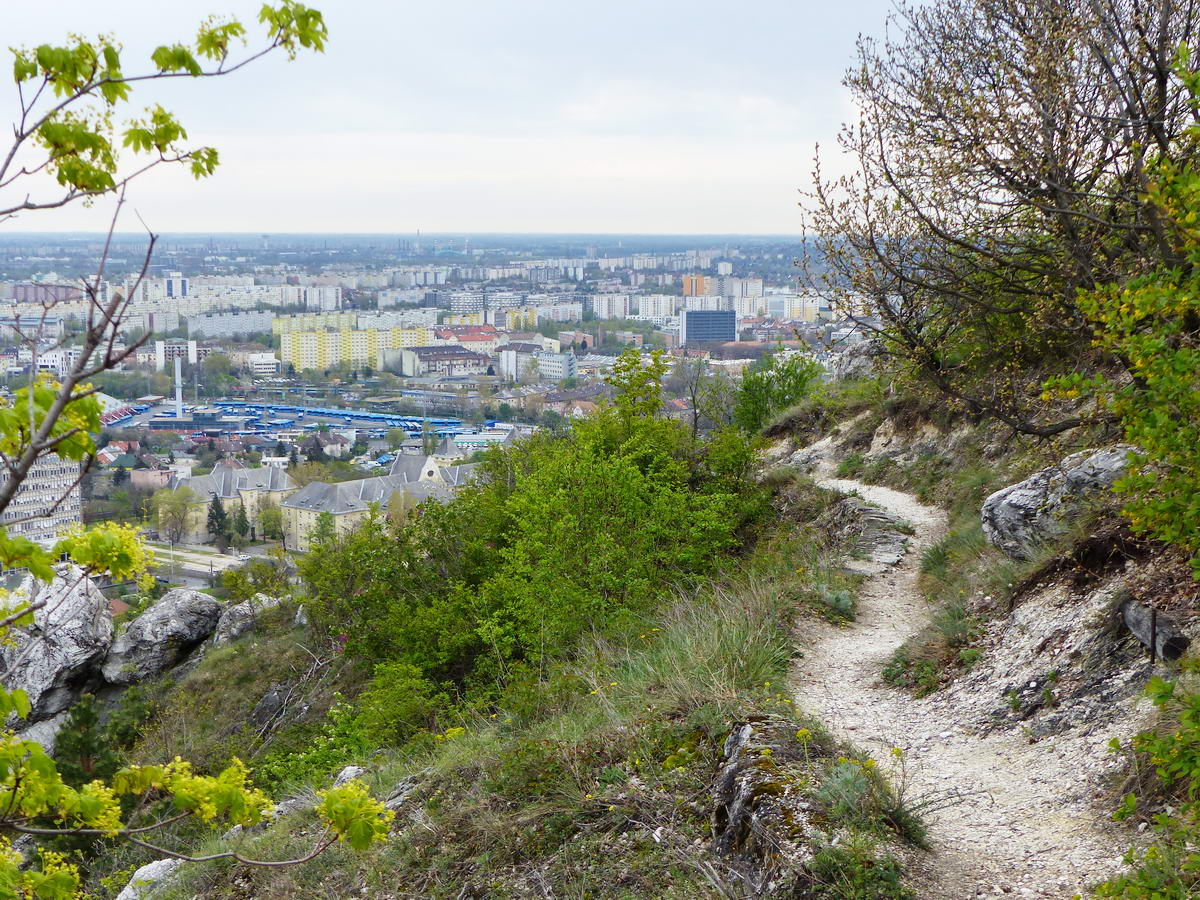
[48,501]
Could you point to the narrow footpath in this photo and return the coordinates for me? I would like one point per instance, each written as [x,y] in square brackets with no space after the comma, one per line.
[1016,820]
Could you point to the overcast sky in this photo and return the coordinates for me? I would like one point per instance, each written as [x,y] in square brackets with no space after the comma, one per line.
[647,116]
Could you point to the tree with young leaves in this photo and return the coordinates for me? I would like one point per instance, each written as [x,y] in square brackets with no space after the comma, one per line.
[270,520]
[172,510]
[1153,323]
[772,384]
[1000,167]
[71,98]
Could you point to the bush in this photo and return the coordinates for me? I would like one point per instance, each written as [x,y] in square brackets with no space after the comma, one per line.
[1169,869]
[851,466]
[399,702]
[856,873]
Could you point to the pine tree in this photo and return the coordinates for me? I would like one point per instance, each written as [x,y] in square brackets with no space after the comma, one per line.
[83,751]
[218,520]
[241,523]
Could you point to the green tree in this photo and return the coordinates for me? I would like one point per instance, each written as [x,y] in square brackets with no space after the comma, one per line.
[396,437]
[324,532]
[771,384]
[637,380]
[270,520]
[172,509]
[241,522]
[270,575]
[1152,324]
[83,751]
[971,223]
[218,519]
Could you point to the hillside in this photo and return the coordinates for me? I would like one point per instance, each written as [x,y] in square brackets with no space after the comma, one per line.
[857,695]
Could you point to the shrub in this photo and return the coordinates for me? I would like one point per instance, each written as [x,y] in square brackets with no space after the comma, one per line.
[855,873]
[851,466]
[1170,867]
[399,702]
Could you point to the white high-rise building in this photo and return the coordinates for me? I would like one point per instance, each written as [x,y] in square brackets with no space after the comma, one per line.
[610,306]
[48,501]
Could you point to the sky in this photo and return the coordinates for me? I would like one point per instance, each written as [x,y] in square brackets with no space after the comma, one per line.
[627,116]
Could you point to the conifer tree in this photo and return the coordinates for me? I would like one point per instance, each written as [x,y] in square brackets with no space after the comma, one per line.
[218,519]
[241,523]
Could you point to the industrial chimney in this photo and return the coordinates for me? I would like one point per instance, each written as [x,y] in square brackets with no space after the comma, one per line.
[178,389]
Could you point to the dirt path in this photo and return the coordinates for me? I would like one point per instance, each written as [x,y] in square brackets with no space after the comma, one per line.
[1025,825]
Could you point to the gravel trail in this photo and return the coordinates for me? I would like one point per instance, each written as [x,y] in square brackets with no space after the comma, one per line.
[1018,819]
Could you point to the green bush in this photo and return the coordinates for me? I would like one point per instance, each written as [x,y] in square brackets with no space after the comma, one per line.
[856,873]
[851,466]
[771,384]
[560,536]
[1168,869]
[342,740]
[398,703]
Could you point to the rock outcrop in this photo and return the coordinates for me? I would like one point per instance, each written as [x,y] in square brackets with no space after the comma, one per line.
[238,619]
[1021,516]
[160,637]
[761,820]
[149,878]
[69,635]
[856,361]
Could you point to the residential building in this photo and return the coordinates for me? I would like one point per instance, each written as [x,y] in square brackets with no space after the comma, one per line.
[442,360]
[48,500]
[610,306]
[333,321]
[320,350]
[414,478]
[658,305]
[515,361]
[569,311]
[231,324]
[168,351]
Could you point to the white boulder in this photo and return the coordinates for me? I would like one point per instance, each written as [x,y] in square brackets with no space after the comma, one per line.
[161,636]
[70,633]
[236,620]
[146,880]
[1031,512]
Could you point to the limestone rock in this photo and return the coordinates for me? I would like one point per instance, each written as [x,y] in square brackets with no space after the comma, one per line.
[46,731]
[269,706]
[856,361]
[161,636]
[149,878]
[348,774]
[69,635]
[238,619]
[1021,516]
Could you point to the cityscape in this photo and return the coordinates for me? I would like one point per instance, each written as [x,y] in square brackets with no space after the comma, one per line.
[518,451]
[322,345]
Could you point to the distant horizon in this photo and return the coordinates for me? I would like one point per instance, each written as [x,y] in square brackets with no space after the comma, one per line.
[409,234]
[613,117]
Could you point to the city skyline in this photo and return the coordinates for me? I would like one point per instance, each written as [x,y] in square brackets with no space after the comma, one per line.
[521,120]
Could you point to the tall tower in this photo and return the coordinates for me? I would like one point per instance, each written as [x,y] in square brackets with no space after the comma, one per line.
[178,388]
